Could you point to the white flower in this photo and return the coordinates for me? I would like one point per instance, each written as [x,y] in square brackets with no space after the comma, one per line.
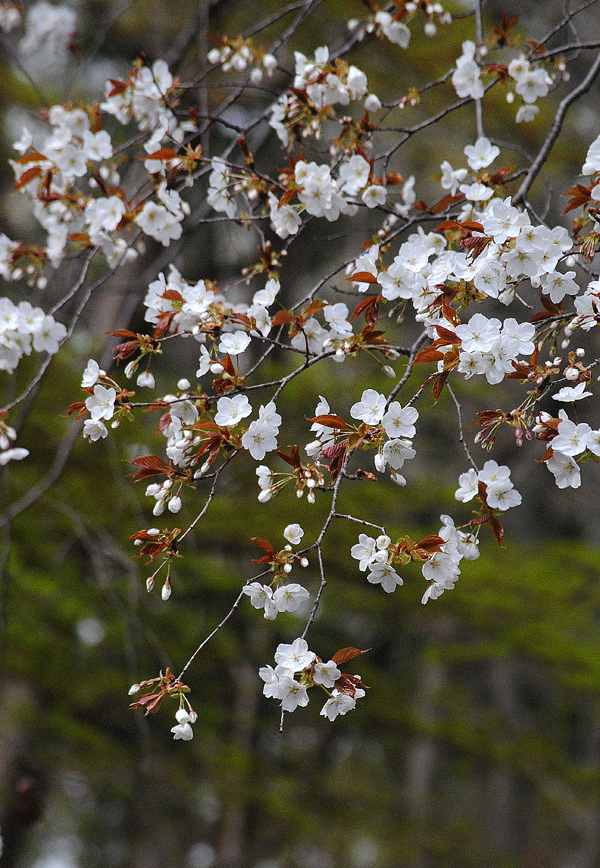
[293,533]
[183,730]
[260,438]
[339,703]
[565,470]
[468,486]
[234,343]
[386,575]
[146,380]
[572,393]
[465,77]
[230,411]
[326,674]
[481,154]
[261,597]
[399,421]
[101,404]
[291,693]
[370,408]
[374,195]
[294,657]
[15,454]
[94,429]
[364,550]
[289,598]
[571,439]
[91,374]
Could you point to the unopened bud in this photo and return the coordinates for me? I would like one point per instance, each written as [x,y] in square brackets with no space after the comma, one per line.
[133,689]
[166,590]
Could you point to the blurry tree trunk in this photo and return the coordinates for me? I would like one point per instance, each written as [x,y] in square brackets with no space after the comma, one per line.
[21,788]
[232,851]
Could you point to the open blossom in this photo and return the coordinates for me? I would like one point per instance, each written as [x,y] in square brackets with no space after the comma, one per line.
[572,393]
[91,374]
[572,439]
[294,657]
[289,598]
[183,730]
[384,574]
[234,343]
[370,408]
[326,674]
[101,404]
[339,703]
[565,470]
[466,77]
[481,154]
[230,411]
[399,421]
[94,429]
[261,597]
[260,438]
[293,533]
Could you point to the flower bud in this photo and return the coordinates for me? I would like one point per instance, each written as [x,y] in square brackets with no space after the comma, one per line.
[265,495]
[166,591]
[133,689]
[146,380]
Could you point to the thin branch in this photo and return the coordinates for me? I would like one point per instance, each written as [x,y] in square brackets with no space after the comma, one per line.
[461,435]
[555,129]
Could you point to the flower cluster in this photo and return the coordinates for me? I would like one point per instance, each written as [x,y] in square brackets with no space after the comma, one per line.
[23,328]
[451,266]
[298,669]
[287,596]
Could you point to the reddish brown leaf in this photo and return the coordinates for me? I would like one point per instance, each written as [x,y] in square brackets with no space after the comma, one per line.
[431,543]
[162,154]
[446,202]
[264,544]
[428,354]
[117,86]
[449,337]
[439,383]
[345,654]
[34,156]
[314,307]
[172,295]
[330,421]
[370,307]
[497,529]
[292,459]
[334,451]
[581,196]
[281,317]
[28,176]
[363,277]
[123,333]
